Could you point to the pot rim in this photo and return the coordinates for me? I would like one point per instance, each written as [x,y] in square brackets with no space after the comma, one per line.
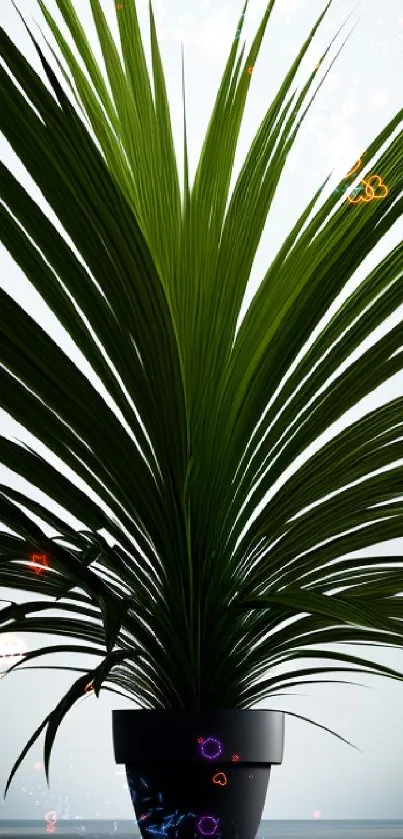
[143,735]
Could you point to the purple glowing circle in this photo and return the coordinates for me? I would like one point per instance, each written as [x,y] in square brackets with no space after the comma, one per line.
[211,740]
[206,832]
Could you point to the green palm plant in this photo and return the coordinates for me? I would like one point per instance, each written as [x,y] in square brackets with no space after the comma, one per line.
[201,594]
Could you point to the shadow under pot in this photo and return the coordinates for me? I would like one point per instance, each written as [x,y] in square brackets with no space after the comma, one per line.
[195,774]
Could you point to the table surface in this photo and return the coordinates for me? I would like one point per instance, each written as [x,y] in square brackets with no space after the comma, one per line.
[312,829]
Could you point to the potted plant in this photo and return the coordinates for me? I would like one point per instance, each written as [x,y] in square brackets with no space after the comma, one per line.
[183,576]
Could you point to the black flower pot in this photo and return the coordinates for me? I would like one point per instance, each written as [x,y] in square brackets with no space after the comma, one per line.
[195,774]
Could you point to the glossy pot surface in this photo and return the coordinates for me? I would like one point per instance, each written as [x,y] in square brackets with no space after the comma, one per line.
[195,774]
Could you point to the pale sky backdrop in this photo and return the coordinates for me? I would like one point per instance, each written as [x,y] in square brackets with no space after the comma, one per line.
[320,776]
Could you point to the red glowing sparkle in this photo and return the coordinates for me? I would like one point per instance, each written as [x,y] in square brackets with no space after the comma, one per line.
[235,758]
[51,819]
[39,562]
[200,739]
[12,649]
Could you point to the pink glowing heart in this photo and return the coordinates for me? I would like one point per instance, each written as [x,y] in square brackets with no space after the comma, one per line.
[220,778]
